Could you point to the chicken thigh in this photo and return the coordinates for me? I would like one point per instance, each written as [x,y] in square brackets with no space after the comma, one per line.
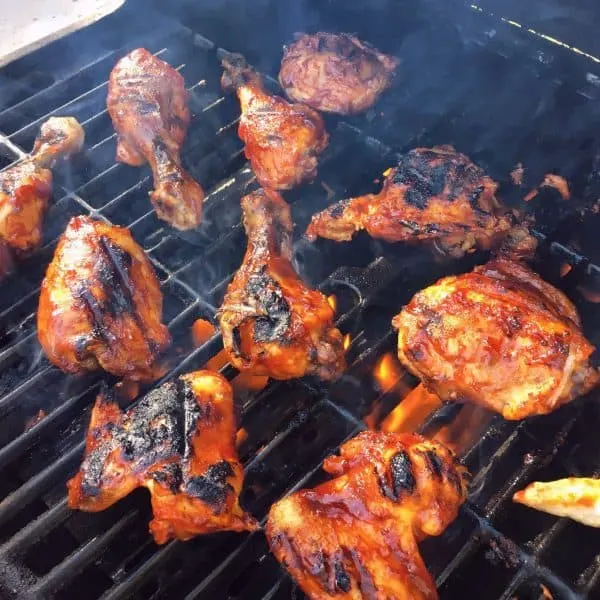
[101,304]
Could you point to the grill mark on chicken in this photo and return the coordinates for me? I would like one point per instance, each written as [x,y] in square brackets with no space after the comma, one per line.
[151,432]
[434,463]
[268,298]
[342,579]
[169,475]
[212,487]
[403,478]
[164,440]
[112,273]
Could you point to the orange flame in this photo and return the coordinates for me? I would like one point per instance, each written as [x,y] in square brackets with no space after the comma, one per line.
[387,371]
[465,430]
[127,389]
[565,269]
[589,295]
[202,331]
[411,412]
[532,194]
[332,301]
[387,172]
[559,183]
[347,341]
[35,419]
[240,437]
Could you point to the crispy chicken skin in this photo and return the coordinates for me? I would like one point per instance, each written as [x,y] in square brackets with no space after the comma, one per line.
[25,188]
[335,72]
[147,102]
[575,497]
[356,535]
[101,304]
[272,323]
[498,336]
[434,195]
[179,442]
[283,140]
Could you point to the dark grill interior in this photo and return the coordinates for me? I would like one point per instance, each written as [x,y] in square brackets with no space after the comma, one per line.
[497,92]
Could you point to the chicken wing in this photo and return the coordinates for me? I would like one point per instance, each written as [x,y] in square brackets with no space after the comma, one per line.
[272,323]
[575,497]
[434,195]
[356,536]
[283,140]
[335,72]
[100,304]
[498,336]
[25,188]
[179,442]
[147,102]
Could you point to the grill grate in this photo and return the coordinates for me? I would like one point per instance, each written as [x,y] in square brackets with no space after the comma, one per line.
[48,551]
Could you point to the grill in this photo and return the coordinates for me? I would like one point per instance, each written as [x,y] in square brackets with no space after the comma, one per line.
[496,90]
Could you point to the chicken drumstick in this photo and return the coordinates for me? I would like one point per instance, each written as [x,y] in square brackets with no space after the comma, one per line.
[147,102]
[25,188]
[272,323]
[283,140]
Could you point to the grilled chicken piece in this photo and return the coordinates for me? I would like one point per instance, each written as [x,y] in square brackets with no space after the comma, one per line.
[335,72]
[356,536]
[433,195]
[283,140]
[101,304]
[147,102]
[498,336]
[25,188]
[272,323]
[575,497]
[179,442]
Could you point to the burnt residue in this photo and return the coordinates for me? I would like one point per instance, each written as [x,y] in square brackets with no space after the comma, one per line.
[434,463]
[212,487]
[403,477]
[343,582]
[266,295]
[158,429]
[170,476]
[441,172]
[237,72]
[337,209]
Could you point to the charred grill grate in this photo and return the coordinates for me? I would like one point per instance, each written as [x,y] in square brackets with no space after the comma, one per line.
[494,549]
